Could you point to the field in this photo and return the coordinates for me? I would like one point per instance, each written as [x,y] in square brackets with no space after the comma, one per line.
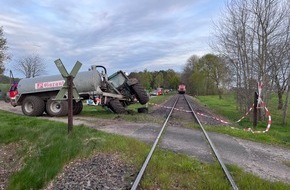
[40,149]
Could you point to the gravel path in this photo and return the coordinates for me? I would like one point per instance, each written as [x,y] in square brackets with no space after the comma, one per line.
[265,161]
[102,171]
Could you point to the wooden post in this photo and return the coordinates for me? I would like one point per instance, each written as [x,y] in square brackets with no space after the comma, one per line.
[286,103]
[70,103]
[255,110]
[68,88]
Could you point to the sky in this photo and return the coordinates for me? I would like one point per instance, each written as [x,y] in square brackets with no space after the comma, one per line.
[128,35]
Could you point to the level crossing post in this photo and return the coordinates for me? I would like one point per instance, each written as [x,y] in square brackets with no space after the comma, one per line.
[68,89]
[70,103]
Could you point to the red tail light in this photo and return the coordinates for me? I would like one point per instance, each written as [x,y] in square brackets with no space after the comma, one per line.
[13,93]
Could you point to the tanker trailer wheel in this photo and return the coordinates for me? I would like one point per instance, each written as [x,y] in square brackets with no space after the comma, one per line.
[33,106]
[56,108]
[116,106]
[140,93]
[77,107]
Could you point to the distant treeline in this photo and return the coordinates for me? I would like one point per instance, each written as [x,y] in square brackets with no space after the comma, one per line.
[168,79]
[6,80]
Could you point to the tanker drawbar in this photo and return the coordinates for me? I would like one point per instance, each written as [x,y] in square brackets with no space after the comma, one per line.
[36,95]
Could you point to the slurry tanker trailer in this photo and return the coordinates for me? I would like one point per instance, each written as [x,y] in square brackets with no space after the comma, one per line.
[37,95]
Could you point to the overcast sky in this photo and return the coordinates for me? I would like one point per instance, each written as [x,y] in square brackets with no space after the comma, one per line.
[128,35]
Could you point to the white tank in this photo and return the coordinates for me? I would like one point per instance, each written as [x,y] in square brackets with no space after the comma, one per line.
[86,81]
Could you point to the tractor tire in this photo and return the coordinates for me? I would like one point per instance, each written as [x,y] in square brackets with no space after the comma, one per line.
[142,110]
[140,93]
[117,107]
[56,108]
[33,106]
[77,107]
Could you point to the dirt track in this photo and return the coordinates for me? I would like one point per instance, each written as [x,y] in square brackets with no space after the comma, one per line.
[265,161]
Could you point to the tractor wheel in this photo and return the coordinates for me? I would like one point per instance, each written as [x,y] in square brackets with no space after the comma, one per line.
[140,93]
[142,110]
[77,107]
[33,106]
[117,107]
[56,108]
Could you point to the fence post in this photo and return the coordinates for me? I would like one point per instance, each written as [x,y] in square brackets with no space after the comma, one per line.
[255,110]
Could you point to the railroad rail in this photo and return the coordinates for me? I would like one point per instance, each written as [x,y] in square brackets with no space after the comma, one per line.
[147,160]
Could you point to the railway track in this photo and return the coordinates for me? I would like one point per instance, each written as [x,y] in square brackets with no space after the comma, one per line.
[177,101]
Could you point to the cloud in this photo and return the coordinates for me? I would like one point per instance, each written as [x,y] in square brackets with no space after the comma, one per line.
[126,35]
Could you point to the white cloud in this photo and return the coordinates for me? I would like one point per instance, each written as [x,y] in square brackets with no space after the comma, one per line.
[127,35]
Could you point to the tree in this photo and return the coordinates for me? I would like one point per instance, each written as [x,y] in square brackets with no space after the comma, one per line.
[171,79]
[144,78]
[206,75]
[254,36]
[198,82]
[186,76]
[3,48]
[30,66]
[215,71]
[286,102]
[273,30]
[151,80]
[158,80]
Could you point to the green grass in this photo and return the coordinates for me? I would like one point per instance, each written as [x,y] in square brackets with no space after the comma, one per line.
[287,164]
[45,148]
[277,134]
[133,116]
[4,88]
[227,107]
[160,99]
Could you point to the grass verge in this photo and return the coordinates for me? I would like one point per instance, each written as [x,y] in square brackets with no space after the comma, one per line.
[133,116]
[277,134]
[45,148]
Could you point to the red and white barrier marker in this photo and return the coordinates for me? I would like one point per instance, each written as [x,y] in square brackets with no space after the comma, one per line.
[261,104]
